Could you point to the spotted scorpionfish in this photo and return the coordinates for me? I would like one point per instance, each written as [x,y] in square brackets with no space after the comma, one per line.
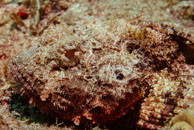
[98,70]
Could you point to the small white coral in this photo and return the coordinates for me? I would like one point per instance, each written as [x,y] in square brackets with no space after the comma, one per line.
[184,120]
[181,126]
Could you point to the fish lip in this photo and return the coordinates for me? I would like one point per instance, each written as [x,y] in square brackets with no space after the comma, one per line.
[21,79]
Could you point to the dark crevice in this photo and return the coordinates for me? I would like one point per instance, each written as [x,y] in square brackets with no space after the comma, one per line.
[186,46]
[31,114]
[132,46]
[26,111]
[56,68]
[128,121]
[119,75]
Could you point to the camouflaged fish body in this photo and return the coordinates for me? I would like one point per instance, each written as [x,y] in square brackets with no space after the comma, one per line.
[97,70]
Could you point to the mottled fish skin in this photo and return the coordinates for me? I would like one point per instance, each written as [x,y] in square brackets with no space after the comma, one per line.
[87,73]
[172,91]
